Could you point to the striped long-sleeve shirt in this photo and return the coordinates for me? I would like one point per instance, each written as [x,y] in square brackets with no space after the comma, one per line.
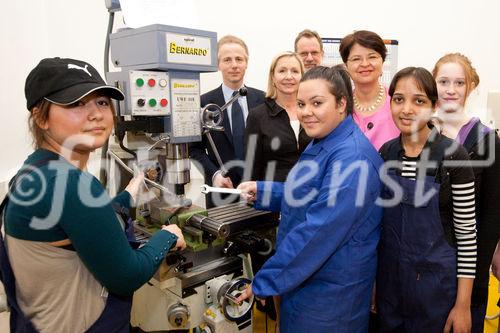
[464,218]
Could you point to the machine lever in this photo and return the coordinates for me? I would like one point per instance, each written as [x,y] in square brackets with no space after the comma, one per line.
[158,143]
[220,110]
[242,92]
[217,156]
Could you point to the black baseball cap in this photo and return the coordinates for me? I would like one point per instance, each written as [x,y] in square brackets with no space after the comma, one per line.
[64,81]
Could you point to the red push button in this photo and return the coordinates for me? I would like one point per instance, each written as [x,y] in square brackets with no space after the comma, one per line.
[163,102]
[151,82]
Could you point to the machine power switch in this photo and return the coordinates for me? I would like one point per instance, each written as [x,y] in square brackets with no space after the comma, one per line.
[139,82]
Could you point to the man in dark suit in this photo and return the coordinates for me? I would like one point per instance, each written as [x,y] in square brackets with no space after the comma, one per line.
[232,55]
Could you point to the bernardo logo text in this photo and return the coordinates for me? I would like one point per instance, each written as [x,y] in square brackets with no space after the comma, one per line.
[187,50]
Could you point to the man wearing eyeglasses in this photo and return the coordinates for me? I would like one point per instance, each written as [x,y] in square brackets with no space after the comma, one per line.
[309,47]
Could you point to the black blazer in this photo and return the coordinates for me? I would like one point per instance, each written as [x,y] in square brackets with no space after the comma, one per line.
[266,123]
[487,183]
[202,152]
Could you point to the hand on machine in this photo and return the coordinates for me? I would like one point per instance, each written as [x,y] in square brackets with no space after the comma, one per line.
[134,187]
[247,295]
[173,228]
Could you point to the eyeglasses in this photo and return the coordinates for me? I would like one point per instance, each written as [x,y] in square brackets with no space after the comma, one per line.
[358,60]
[306,54]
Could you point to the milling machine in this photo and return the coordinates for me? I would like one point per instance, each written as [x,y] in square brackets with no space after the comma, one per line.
[194,289]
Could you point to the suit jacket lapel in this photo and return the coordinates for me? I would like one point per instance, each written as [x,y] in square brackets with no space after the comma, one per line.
[250,99]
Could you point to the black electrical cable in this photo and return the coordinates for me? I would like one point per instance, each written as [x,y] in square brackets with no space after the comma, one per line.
[111,21]
[122,146]
[103,177]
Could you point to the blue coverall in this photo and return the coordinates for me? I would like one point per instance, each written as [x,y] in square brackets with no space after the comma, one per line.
[326,254]
[417,272]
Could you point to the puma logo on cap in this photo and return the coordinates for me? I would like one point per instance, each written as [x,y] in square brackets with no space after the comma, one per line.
[72,66]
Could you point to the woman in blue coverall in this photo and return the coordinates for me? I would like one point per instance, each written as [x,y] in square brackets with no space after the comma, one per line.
[325,260]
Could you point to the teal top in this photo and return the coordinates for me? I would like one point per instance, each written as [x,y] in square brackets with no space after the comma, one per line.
[52,200]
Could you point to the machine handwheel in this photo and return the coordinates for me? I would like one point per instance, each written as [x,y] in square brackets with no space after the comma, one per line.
[227,296]
[211,116]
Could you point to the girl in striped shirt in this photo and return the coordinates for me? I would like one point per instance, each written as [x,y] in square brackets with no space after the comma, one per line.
[456,78]
[428,244]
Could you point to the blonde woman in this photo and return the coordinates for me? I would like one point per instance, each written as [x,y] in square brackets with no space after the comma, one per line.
[273,132]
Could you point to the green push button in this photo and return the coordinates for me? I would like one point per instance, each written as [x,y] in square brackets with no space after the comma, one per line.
[139,82]
[152,102]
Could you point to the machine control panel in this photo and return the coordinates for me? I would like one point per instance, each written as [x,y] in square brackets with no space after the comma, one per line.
[149,93]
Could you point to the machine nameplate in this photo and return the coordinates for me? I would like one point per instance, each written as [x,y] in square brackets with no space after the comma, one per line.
[188,49]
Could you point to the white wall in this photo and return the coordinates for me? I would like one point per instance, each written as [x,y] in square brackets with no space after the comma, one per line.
[426,29]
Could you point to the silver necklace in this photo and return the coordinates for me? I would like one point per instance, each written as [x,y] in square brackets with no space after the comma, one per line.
[374,105]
